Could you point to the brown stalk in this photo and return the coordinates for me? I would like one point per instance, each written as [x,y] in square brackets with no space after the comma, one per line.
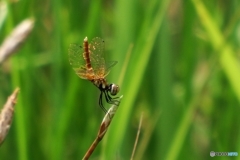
[137,137]
[103,129]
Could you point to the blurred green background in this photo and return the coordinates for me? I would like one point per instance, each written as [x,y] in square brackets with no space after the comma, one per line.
[178,64]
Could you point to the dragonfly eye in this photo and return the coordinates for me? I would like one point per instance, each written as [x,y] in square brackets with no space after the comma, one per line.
[114,89]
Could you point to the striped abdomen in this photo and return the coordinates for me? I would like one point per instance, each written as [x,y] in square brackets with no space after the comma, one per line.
[86,55]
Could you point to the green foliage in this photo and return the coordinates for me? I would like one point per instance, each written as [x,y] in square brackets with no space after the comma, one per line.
[178,64]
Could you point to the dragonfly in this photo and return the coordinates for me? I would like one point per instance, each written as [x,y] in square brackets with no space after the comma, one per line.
[89,63]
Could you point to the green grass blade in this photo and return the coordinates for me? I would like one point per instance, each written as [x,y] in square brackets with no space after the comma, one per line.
[132,86]
[227,59]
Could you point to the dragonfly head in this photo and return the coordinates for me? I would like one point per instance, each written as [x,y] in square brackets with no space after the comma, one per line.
[113,89]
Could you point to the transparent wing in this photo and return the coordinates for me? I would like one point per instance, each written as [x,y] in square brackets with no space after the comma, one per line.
[100,67]
[96,48]
[75,53]
[96,53]
[109,65]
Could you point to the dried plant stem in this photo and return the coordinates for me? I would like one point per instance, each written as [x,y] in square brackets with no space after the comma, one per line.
[103,129]
[92,148]
[137,137]
[7,114]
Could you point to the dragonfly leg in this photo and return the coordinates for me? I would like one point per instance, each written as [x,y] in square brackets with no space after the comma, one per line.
[110,99]
[101,103]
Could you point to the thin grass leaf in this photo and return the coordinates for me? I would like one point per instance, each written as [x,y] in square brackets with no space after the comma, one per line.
[3,13]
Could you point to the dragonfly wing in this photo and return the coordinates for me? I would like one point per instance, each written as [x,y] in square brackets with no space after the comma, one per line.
[75,53]
[109,65]
[100,67]
[81,72]
[96,48]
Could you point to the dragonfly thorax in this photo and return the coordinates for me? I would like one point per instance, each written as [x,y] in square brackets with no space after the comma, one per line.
[100,83]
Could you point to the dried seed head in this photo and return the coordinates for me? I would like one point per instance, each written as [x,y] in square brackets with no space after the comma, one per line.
[15,39]
[6,115]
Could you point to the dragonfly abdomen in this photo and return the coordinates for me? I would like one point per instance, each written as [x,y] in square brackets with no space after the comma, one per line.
[86,55]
